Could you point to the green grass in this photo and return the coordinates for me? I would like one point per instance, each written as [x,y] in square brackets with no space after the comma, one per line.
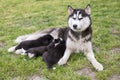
[19,17]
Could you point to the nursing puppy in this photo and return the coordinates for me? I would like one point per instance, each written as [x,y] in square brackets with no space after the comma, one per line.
[38,51]
[25,45]
[54,53]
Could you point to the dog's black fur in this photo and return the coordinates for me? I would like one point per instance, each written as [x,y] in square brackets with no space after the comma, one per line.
[42,41]
[53,55]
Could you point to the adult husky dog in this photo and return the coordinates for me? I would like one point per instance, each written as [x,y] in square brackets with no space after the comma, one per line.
[78,36]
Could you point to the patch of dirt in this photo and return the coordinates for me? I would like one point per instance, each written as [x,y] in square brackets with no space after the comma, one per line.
[96,49]
[115,50]
[36,77]
[114,77]
[87,72]
[115,32]
[2,44]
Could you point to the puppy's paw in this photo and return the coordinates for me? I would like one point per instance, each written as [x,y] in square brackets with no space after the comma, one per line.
[30,55]
[98,66]
[62,61]
[23,53]
[19,51]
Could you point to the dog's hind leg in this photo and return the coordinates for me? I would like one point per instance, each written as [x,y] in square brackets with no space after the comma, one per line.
[90,56]
[35,36]
[40,33]
[22,38]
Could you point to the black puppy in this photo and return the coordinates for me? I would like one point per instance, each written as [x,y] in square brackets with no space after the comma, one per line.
[38,51]
[54,53]
[42,41]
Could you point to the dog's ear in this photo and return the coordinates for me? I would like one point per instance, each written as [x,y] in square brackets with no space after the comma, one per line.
[88,9]
[70,10]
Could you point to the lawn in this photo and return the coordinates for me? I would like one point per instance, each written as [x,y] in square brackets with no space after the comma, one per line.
[19,17]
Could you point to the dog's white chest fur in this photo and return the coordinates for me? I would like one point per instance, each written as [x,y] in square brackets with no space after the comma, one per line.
[75,46]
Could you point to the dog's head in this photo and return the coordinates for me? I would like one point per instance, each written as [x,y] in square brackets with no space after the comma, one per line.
[79,19]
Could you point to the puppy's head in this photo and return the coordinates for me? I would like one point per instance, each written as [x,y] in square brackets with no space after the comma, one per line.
[55,43]
[46,39]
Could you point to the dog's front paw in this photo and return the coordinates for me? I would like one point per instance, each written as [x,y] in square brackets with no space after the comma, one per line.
[62,61]
[12,49]
[98,66]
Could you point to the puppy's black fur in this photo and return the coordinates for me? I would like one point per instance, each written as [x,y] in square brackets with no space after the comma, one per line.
[53,54]
[38,51]
[42,41]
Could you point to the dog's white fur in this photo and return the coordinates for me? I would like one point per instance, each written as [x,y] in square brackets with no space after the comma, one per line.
[79,46]
[81,25]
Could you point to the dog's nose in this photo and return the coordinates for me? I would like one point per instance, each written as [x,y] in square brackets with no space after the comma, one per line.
[75,26]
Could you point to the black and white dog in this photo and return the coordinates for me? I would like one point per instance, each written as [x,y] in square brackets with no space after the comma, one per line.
[78,36]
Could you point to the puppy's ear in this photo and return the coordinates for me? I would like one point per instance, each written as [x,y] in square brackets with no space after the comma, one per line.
[70,10]
[88,9]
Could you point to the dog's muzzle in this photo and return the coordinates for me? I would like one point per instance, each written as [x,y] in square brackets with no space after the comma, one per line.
[75,26]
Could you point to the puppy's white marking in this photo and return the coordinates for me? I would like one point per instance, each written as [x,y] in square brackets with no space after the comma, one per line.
[19,51]
[56,44]
[23,50]
[12,49]
[30,55]
[54,68]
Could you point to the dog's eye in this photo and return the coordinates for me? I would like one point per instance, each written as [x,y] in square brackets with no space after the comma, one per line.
[74,18]
[80,18]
